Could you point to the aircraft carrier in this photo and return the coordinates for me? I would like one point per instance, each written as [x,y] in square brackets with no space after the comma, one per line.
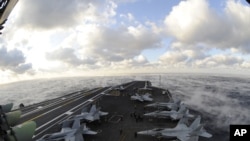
[125,116]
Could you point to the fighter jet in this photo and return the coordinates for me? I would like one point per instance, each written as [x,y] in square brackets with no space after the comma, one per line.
[92,115]
[71,130]
[142,98]
[181,131]
[174,115]
[169,105]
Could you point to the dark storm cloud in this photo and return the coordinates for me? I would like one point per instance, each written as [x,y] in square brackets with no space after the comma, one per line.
[13,60]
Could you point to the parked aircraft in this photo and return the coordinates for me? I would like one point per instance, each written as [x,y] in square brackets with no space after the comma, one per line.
[174,115]
[181,131]
[71,130]
[169,105]
[145,97]
[93,114]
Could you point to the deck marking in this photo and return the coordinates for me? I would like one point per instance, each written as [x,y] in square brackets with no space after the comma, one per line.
[86,93]
[96,96]
[69,113]
[59,117]
[67,103]
[34,118]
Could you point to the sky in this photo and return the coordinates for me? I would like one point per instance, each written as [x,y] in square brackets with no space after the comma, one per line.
[47,38]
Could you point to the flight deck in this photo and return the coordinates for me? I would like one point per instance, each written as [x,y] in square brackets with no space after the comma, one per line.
[125,116]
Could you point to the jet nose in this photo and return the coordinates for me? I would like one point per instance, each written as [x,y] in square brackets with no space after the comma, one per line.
[142,132]
[149,105]
[147,114]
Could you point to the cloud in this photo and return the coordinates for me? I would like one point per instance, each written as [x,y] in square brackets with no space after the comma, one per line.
[135,64]
[220,60]
[13,60]
[246,64]
[141,59]
[117,44]
[94,34]
[194,22]
[68,56]
[182,54]
[23,68]
[238,16]
[125,1]
[192,58]
[49,14]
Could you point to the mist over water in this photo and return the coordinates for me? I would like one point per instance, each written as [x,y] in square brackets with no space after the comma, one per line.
[34,91]
[220,100]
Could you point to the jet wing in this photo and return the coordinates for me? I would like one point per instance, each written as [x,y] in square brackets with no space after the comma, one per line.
[71,139]
[193,138]
[89,132]
[135,97]
[79,137]
[183,138]
[174,116]
[147,98]
[74,137]
[89,118]
[204,133]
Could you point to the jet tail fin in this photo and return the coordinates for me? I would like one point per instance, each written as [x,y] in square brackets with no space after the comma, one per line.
[182,123]
[96,114]
[196,123]
[76,124]
[182,109]
[93,109]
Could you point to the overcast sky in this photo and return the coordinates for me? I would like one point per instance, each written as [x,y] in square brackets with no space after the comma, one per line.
[51,38]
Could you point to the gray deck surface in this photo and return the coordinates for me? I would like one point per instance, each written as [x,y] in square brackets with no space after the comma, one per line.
[119,125]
